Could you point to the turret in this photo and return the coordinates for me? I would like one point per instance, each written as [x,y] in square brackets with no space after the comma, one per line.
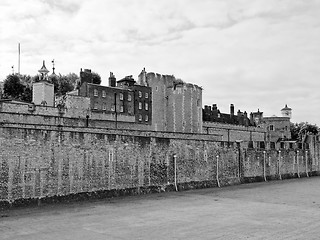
[286,111]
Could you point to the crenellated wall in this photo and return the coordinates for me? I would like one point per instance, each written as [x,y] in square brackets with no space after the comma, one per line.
[177,105]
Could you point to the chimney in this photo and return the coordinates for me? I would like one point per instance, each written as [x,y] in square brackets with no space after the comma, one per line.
[112,80]
[214,107]
[231,110]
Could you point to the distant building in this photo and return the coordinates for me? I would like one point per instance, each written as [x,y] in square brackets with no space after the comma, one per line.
[278,128]
[126,98]
[213,114]
[43,91]
[177,106]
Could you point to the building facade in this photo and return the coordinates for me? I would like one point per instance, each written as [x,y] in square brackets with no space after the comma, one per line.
[126,98]
[176,104]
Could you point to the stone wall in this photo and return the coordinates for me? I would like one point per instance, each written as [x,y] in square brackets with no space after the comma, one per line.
[46,161]
[233,133]
[49,162]
[177,105]
[273,164]
[70,115]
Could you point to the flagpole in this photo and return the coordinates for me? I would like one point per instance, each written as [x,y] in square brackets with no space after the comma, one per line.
[19,59]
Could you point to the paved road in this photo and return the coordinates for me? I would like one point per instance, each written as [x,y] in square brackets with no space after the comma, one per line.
[288,209]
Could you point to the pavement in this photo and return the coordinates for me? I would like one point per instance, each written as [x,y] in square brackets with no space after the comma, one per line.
[287,209]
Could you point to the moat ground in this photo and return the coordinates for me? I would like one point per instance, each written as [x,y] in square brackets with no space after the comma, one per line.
[288,209]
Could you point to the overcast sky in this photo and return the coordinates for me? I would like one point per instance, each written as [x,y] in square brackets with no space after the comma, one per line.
[252,53]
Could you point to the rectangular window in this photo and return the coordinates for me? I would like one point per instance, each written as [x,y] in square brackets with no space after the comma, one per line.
[140,117]
[104,93]
[104,106]
[140,105]
[272,145]
[146,95]
[281,144]
[112,108]
[121,96]
[95,92]
[271,128]
[129,97]
[95,106]
[146,106]
[121,108]
[147,118]
[140,94]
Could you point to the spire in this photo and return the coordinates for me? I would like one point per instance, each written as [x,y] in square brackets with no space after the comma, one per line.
[43,71]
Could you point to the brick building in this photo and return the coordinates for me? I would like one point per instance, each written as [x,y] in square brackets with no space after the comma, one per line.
[213,114]
[126,98]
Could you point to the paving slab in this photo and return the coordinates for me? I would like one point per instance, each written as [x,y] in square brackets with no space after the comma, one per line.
[288,209]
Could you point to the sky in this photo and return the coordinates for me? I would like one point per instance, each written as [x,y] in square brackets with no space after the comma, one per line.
[256,54]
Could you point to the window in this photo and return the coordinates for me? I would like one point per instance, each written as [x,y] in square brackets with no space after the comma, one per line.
[103,93]
[146,106]
[104,106]
[271,128]
[157,88]
[146,95]
[140,117]
[272,145]
[112,108]
[95,106]
[290,145]
[129,97]
[121,108]
[281,144]
[140,94]
[121,96]
[95,92]
[147,118]
[140,105]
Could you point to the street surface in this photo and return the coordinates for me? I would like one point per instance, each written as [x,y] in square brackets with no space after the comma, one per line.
[288,209]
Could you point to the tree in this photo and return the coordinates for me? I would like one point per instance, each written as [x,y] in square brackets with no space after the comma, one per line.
[96,79]
[12,87]
[63,83]
[298,130]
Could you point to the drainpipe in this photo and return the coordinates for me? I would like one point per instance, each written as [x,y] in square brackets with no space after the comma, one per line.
[217,176]
[264,166]
[306,156]
[298,163]
[279,162]
[175,172]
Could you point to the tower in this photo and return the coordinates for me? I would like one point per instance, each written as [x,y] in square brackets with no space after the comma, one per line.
[286,111]
[43,91]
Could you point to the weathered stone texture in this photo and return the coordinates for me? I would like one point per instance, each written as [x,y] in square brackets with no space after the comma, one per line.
[42,162]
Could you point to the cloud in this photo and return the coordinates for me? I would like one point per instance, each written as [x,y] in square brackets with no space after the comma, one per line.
[255,54]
